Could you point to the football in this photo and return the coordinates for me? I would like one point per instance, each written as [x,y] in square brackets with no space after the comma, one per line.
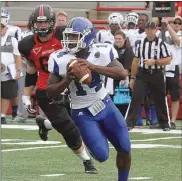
[78,68]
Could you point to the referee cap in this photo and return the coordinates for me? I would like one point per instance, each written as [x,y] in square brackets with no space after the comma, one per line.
[151,24]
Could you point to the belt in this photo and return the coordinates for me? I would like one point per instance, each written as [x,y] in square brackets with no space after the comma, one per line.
[150,71]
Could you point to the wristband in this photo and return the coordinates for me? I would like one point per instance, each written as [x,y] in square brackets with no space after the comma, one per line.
[133,77]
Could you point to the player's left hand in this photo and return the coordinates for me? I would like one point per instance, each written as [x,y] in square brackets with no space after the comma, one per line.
[75,69]
[149,62]
[18,75]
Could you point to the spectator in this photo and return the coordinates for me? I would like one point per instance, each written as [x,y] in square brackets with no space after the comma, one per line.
[173,38]
[10,67]
[22,114]
[61,18]
[126,56]
[13,31]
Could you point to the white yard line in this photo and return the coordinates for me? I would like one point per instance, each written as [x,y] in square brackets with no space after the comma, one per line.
[6,140]
[65,146]
[35,142]
[52,175]
[33,148]
[40,142]
[140,178]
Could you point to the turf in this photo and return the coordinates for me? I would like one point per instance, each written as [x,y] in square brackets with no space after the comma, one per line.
[157,164]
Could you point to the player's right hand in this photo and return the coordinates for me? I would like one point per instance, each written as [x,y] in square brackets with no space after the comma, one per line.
[28,105]
[131,84]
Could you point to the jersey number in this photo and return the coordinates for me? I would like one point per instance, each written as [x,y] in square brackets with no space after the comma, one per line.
[44,63]
[96,82]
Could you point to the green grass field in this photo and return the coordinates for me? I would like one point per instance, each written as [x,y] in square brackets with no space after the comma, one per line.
[156,156]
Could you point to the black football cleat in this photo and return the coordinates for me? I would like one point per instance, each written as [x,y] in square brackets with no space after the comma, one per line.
[155,126]
[3,120]
[43,131]
[14,115]
[148,122]
[173,125]
[89,167]
[166,129]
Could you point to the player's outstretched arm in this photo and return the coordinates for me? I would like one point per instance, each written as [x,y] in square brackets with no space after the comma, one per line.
[56,85]
[114,70]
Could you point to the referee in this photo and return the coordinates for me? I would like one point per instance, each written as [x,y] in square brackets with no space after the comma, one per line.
[151,54]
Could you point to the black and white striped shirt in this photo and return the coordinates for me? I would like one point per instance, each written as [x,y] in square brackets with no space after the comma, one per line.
[155,49]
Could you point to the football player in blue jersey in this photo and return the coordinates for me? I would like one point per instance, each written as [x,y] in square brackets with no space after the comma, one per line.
[93,111]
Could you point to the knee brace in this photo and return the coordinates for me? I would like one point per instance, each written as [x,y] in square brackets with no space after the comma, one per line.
[69,131]
[73,138]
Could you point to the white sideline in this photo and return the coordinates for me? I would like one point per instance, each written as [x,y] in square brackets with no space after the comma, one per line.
[156,139]
[135,130]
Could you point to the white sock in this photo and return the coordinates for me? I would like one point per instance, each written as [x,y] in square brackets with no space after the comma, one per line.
[3,115]
[48,124]
[83,155]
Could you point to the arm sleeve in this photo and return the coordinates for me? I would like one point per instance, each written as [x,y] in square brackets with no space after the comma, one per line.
[15,46]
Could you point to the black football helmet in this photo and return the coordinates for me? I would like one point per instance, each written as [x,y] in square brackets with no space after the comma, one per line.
[43,13]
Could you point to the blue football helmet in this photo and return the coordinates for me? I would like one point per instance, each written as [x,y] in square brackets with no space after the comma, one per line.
[84,32]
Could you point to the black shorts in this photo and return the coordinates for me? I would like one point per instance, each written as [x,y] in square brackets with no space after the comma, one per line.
[9,89]
[173,85]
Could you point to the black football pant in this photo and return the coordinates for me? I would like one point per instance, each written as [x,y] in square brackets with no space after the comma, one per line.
[60,119]
[155,82]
